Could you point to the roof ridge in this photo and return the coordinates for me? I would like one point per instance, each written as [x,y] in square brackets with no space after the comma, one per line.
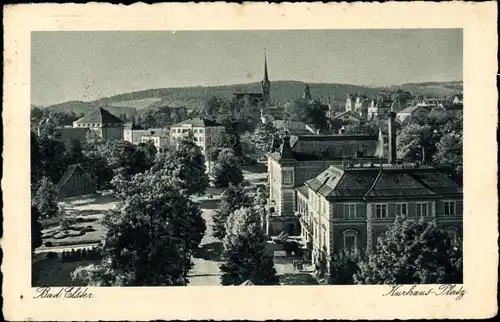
[374,183]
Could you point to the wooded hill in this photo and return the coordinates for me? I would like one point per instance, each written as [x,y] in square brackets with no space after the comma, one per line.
[281,91]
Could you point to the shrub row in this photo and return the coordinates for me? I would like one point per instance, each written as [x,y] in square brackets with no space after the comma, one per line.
[81,254]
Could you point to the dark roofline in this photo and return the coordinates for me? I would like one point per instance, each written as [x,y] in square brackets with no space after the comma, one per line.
[332,137]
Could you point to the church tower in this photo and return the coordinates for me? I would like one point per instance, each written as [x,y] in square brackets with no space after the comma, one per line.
[266,84]
[307,93]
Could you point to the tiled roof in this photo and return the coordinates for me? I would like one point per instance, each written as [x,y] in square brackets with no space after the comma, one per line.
[411,109]
[346,113]
[303,190]
[99,116]
[389,181]
[198,122]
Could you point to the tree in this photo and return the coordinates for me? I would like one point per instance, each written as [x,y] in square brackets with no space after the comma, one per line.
[150,238]
[343,266]
[450,151]
[227,169]
[52,157]
[413,141]
[186,163]
[36,164]
[233,198]
[309,113]
[410,252]
[244,256]
[46,199]
[36,228]
[263,136]
[74,153]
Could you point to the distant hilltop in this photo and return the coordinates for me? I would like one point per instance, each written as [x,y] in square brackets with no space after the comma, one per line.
[193,98]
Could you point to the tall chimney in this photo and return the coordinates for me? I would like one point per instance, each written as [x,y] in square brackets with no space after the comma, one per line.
[392,137]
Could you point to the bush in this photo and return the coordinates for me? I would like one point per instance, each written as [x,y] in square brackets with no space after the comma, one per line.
[52,255]
[48,244]
[291,247]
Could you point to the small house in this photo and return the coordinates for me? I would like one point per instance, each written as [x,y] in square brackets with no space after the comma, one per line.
[76,181]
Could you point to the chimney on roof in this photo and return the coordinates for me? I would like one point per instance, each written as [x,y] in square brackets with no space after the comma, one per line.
[392,137]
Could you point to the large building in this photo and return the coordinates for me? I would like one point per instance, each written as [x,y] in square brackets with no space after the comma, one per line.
[102,122]
[159,137]
[299,158]
[357,104]
[203,131]
[348,206]
[264,96]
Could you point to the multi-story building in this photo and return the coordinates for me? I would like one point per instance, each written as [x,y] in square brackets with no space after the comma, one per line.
[102,122]
[300,158]
[357,104]
[349,206]
[379,108]
[133,134]
[413,111]
[159,137]
[203,131]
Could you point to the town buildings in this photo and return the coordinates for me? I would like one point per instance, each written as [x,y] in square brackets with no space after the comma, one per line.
[357,104]
[349,205]
[102,122]
[295,159]
[413,111]
[204,132]
[159,137]
[348,117]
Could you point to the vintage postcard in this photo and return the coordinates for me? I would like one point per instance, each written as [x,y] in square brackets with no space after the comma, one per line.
[250,162]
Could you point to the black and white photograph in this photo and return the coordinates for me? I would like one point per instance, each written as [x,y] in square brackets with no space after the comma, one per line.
[295,157]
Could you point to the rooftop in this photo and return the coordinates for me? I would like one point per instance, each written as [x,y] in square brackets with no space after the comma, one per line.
[198,122]
[99,116]
[386,180]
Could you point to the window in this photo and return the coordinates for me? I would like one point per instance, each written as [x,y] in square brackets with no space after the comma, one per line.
[349,211]
[350,239]
[380,211]
[287,177]
[452,235]
[201,130]
[450,208]
[401,209]
[421,209]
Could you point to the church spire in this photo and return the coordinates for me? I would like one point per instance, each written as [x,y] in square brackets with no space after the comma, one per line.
[266,84]
[266,77]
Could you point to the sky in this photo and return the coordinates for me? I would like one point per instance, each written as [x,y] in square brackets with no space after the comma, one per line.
[88,65]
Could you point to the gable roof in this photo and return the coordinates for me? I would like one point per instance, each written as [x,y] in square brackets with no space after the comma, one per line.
[198,122]
[347,113]
[72,169]
[412,109]
[99,116]
[367,181]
